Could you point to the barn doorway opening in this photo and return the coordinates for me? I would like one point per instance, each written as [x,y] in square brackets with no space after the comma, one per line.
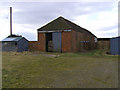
[53,42]
[49,45]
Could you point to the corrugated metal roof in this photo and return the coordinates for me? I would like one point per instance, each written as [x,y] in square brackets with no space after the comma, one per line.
[15,39]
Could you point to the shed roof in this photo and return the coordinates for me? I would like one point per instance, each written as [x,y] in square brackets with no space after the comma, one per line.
[115,37]
[103,39]
[63,24]
[14,39]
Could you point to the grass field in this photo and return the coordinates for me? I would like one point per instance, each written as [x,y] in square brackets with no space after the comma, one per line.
[92,69]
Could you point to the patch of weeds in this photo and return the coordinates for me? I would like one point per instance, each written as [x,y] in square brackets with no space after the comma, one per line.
[99,80]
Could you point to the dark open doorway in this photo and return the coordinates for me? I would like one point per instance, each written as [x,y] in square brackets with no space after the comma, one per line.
[53,42]
[49,45]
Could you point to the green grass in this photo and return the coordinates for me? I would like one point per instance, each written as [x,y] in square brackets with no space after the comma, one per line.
[92,69]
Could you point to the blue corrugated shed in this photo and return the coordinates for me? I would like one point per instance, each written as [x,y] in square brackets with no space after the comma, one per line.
[18,44]
[115,46]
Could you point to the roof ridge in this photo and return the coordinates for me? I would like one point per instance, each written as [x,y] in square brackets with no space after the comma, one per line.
[60,19]
[65,21]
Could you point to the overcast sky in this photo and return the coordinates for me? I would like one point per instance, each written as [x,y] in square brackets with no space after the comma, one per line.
[100,18]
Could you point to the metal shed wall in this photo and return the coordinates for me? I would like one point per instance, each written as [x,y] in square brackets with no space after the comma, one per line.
[115,46]
[9,46]
[22,45]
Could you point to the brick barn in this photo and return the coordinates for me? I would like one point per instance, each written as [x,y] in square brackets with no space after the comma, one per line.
[62,35]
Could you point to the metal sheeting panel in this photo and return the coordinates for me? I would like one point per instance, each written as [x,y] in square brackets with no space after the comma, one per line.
[56,41]
[22,45]
[12,39]
[115,46]
[8,39]
[9,46]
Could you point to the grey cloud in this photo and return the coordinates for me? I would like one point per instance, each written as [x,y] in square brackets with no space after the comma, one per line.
[29,36]
[36,14]
[113,34]
[108,28]
[40,13]
[107,35]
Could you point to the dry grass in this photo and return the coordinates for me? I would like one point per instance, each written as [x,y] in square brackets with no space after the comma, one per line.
[92,69]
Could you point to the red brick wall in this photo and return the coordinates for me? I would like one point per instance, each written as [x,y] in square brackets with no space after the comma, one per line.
[38,45]
[33,45]
[91,45]
[66,41]
[70,42]
[41,41]
[79,36]
[74,41]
